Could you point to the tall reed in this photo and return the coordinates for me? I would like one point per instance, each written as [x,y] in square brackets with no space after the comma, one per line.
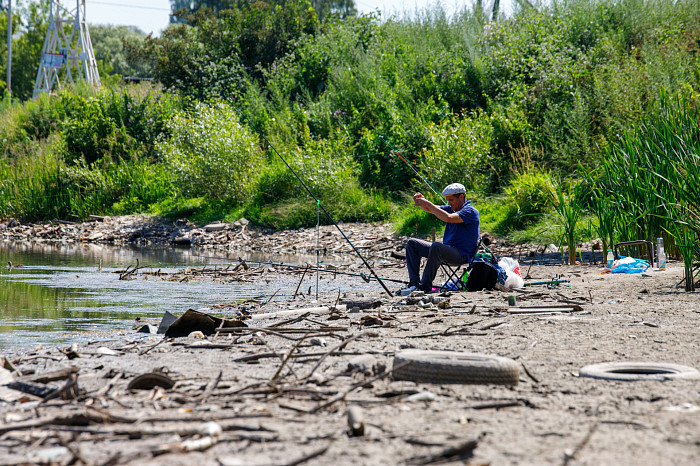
[568,203]
[653,175]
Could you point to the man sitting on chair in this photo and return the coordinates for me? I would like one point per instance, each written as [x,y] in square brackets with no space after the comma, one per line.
[459,242]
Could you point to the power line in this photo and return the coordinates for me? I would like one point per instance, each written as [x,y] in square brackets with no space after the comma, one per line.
[130,6]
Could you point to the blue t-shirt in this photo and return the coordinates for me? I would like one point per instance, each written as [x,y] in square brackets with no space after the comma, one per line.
[463,236]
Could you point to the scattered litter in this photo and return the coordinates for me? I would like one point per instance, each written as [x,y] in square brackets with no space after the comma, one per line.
[151,380]
[257,339]
[371,321]
[165,322]
[356,423]
[148,328]
[211,428]
[365,364]
[48,454]
[421,396]
[629,265]
[193,320]
[683,408]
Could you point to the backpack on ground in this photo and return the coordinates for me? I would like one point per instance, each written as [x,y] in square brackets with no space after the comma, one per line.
[482,276]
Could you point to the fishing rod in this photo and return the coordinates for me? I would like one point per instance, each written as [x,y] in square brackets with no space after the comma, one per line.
[362,275]
[548,282]
[415,169]
[318,203]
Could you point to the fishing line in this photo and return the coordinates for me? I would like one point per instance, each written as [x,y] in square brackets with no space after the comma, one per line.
[318,242]
[415,169]
[329,217]
[318,269]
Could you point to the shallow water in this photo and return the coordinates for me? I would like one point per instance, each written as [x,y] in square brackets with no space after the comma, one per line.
[63,293]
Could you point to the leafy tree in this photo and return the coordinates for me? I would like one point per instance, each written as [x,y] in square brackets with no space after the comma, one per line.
[334,8]
[212,56]
[113,45]
[182,8]
[30,21]
[3,52]
[324,8]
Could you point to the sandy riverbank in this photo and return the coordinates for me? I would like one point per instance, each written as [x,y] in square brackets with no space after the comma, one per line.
[270,412]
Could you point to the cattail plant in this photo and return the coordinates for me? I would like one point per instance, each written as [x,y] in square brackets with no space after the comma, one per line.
[569,206]
[652,174]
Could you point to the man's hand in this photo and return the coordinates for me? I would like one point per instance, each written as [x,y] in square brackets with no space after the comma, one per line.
[420,201]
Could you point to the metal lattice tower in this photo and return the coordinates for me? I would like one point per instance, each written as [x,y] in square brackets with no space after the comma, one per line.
[71,54]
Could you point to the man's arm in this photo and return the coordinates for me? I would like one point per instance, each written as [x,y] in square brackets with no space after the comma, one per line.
[431,208]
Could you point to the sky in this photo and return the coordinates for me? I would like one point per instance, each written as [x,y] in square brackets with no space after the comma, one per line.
[151,16]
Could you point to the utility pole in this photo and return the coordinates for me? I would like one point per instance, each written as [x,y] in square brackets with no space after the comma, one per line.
[9,49]
[63,52]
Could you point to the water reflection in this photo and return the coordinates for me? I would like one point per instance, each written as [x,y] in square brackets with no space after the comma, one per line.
[37,253]
[65,290]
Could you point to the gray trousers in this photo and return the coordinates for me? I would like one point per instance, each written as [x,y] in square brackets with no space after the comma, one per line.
[436,252]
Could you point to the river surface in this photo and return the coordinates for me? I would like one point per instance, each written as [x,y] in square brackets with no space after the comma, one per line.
[61,293]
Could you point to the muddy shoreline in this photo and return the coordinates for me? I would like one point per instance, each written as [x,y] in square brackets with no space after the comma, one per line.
[277,391]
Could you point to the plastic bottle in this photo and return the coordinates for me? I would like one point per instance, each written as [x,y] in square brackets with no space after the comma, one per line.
[662,259]
[610,258]
[659,247]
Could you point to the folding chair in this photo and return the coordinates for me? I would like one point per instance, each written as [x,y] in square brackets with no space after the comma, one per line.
[455,278]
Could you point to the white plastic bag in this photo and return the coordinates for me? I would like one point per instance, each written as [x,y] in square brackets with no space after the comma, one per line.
[509,265]
[512,268]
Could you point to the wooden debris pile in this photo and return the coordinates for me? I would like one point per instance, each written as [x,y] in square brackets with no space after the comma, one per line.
[271,392]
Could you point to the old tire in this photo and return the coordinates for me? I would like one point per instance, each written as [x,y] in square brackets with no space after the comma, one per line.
[455,367]
[632,371]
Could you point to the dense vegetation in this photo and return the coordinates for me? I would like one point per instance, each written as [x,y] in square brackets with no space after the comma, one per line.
[549,117]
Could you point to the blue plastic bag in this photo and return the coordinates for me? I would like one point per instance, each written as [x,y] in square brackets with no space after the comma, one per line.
[630,265]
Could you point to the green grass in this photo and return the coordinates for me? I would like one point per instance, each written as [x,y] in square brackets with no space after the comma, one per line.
[197,210]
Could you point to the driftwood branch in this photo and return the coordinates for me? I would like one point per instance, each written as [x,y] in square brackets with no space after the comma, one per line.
[345,393]
[339,346]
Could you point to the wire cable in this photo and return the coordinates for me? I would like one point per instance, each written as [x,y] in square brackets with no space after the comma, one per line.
[128,6]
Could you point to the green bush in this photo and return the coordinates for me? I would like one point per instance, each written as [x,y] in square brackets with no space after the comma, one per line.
[460,152]
[412,221]
[345,203]
[211,154]
[91,135]
[527,198]
[136,185]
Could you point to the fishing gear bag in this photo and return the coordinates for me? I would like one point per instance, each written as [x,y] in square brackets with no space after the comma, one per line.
[482,276]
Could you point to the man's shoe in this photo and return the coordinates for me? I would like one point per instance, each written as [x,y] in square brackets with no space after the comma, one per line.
[427,289]
[407,291]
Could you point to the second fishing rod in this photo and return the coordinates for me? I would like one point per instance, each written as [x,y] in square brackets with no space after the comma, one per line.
[415,170]
[362,275]
[320,206]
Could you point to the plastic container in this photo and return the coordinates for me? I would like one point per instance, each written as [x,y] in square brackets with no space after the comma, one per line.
[662,259]
[659,248]
[610,258]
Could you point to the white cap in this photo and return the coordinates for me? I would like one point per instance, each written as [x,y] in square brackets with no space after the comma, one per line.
[453,189]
